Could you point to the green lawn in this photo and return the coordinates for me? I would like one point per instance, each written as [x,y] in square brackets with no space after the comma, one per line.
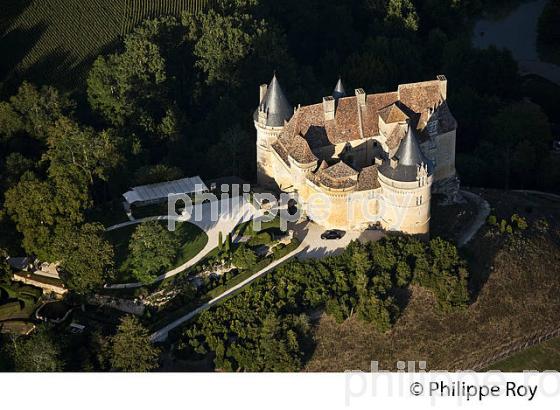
[246,228]
[545,356]
[191,238]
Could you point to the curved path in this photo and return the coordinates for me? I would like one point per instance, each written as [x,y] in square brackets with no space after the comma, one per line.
[311,246]
[549,195]
[161,334]
[479,220]
[213,218]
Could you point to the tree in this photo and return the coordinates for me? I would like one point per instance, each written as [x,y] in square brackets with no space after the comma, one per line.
[230,156]
[403,274]
[152,249]
[403,13]
[227,244]
[31,205]
[36,353]
[371,309]
[10,120]
[84,255]
[244,257]
[549,24]
[38,109]
[131,349]
[221,41]
[5,269]
[510,128]
[16,165]
[78,154]
[152,174]
[132,89]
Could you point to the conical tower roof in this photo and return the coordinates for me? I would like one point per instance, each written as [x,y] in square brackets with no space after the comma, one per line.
[409,156]
[276,105]
[339,90]
[409,152]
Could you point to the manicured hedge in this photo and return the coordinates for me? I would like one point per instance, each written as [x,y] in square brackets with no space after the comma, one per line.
[9,310]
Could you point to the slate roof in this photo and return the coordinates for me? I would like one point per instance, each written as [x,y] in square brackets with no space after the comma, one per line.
[409,157]
[339,90]
[275,104]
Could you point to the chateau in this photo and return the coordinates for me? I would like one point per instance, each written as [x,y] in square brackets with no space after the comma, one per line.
[368,154]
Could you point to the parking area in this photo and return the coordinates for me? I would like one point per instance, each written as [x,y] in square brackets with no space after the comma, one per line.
[310,234]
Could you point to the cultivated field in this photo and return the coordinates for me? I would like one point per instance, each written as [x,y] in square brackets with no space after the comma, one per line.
[55,41]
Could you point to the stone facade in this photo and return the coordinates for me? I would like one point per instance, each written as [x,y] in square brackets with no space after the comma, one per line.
[371,159]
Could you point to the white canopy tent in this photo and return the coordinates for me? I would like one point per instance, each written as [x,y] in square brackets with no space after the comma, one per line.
[153,193]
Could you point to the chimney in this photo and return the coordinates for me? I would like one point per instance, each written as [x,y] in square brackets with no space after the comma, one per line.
[329,107]
[263,88]
[442,86]
[361,96]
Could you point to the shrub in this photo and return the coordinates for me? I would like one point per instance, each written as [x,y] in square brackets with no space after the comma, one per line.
[519,221]
[541,225]
[152,249]
[8,310]
[227,247]
[244,257]
[492,221]
[262,238]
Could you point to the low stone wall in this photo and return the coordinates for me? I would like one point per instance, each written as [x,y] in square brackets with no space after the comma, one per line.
[124,305]
[46,285]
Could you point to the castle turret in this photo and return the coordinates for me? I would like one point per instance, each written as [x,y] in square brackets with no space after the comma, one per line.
[270,117]
[339,90]
[406,181]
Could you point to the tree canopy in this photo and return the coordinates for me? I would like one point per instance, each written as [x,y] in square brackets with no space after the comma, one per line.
[85,256]
[131,349]
[36,353]
[152,249]
[266,326]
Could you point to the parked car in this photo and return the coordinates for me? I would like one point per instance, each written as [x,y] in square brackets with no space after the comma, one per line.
[332,234]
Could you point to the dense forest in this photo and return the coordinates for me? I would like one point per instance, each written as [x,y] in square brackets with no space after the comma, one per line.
[176,95]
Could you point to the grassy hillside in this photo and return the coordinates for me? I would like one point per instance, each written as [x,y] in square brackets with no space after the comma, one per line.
[543,357]
[55,41]
[519,294]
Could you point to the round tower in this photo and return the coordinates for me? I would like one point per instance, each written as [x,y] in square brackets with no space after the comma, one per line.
[406,181]
[270,117]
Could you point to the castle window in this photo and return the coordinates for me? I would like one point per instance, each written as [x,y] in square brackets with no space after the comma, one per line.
[419,200]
